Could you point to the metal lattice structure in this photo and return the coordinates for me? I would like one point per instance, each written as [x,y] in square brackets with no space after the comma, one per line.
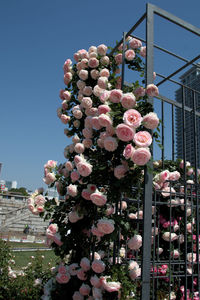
[178,269]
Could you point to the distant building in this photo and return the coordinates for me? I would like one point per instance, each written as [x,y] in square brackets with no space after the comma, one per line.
[191,78]
[7,185]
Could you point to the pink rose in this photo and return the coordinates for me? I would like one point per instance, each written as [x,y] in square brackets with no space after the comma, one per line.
[110,144]
[98,198]
[73,269]
[40,200]
[135,43]
[166,191]
[85,264]
[93,62]
[125,133]
[92,49]
[67,78]
[77,296]
[86,194]
[64,119]
[83,74]
[87,143]
[152,90]
[128,151]
[130,54]
[175,254]
[95,281]
[49,178]
[102,82]
[105,60]
[77,113]
[143,51]
[174,175]
[106,226]
[86,102]
[96,232]
[132,118]
[105,73]
[104,120]
[84,169]
[94,74]
[61,94]
[63,278]
[84,289]
[118,58]
[128,100]
[140,92]
[115,95]
[62,269]
[74,176]
[67,95]
[167,236]
[119,171]
[80,84]
[98,266]
[104,96]
[87,91]
[69,166]
[110,286]
[135,242]
[103,109]
[102,49]
[97,91]
[64,105]
[142,139]
[87,133]
[72,190]
[141,156]
[84,63]
[79,148]
[151,120]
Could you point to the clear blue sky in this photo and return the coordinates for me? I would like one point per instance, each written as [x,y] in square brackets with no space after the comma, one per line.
[36,38]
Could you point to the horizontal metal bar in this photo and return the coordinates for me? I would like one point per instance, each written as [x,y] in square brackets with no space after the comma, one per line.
[128,33]
[178,70]
[179,83]
[166,51]
[170,17]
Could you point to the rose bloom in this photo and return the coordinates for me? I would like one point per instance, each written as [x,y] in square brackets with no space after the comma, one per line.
[115,95]
[93,54]
[164,175]
[63,278]
[69,166]
[84,289]
[118,58]
[105,73]
[62,269]
[104,96]
[83,74]
[64,119]
[77,113]
[95,281]
[128,151]
[105,60]
[96,232]
[98,198]
[97,91]
[152,90]
[61,94]
[102,82]
[88,122]
[124,132]
[103,109]
[174,175]
[80,84]
[92,49]
[39,200]
[102,49]
[167,236]
[77,296]
[79,148]
[104,120]
[86,194]
[93,62]
[110,144]
[119,171]
[49,178]
[132,118]
[175,254]
[86,102]
[85,264]
[135,43]
[72,190]
[73,269]
[74,176]
[128,100]
[94,74]
[84,63]
[139,92]
[141,156]
[166,191]
[64,105]
[110,286]
[98,266]
[110,130]
[87,91]
[143,51]
[142,139]
[87,143]
[151,120]
[135,242]
[130,54]
[67,78]
[106,226]
[67,95]
[135,273]
[84,169]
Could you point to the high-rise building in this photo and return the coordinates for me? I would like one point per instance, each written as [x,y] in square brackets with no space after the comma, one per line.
[191,79]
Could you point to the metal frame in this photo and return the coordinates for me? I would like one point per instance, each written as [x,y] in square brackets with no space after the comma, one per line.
[151,11]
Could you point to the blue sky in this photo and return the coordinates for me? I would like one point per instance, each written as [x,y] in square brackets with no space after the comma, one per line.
[37,36]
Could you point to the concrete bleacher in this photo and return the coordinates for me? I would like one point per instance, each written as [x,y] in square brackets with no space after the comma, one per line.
[14,216]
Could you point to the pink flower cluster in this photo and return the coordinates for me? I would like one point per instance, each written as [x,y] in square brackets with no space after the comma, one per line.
[36,202]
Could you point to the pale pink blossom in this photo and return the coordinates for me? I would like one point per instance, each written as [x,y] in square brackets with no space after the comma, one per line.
[94,74]
[72,190]
[74,176]
[86,194]
[97,293]
[83,74]
[87,143]
[102,82]
[110,286]
[67,78]
[103,109]
[102,49]
[93,62]
[84,289]
[84,63]
[143,51]
[96,232]
[74,217]
[40,200]
[87,91]
[115,95]
[104,96]
[84,168]
[104,120]
[135,242]
[98,266]
[105,60]
[88,122]
[110,144]
[73,269]
[92,49]
[85,264]
[132,118]
[167,236]
[64,105]
[77,113]
[77,296]
[124,132]
[63,278]
[167,191]
[118,58]
[80,84]
[120,171]
[135,43]
[174,175]
[98,198]
[61,94]
[86,102]
[128,100]
[95,281]
[97,91]
[139,92]
[142,139]
[69,166]
[141,156]
[175,254]
[106,226]
[128,151]
[67,95]
[130,54]
[152,90]
[49,178]
[64,119]
[105,73]
[164,175]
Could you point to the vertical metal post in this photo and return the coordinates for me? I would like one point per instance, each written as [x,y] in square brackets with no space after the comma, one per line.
[172,132]
[148,178]
[163,135]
